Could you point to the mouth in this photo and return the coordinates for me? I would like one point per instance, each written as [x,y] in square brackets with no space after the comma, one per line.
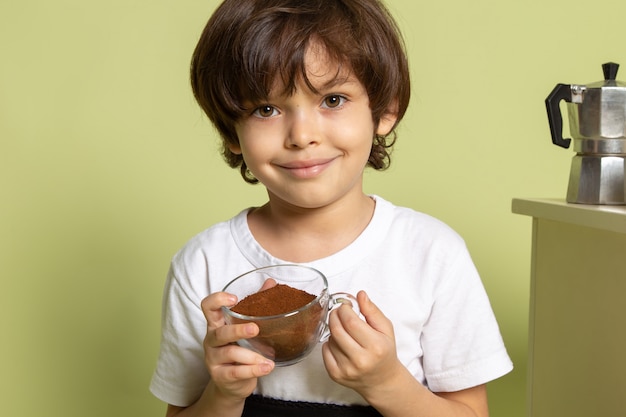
[306,168]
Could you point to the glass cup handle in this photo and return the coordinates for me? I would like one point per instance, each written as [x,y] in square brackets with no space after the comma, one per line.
[337,300]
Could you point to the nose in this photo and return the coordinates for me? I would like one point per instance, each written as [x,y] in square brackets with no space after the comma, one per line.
[303,130]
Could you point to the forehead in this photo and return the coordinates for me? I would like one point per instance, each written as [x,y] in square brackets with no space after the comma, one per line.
[320,64]
[321,71]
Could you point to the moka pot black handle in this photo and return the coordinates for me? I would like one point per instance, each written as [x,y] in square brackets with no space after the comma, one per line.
[560,92]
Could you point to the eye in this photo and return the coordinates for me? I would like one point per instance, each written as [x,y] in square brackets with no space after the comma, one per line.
[265,111]
[333,101]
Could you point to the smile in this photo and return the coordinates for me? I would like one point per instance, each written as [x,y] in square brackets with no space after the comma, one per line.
[306,169]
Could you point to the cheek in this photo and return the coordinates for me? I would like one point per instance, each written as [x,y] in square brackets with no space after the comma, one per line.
[246,143]
[255,138]
[359,136]
[256,153]
[254,149]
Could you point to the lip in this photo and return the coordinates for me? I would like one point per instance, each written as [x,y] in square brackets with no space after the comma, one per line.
[306,168]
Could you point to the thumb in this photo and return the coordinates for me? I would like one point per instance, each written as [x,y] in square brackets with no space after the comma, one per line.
[212,307]
[373,315]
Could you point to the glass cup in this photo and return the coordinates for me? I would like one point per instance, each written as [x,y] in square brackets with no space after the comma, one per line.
[288,337]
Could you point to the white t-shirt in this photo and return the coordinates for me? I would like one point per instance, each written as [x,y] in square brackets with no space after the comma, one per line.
[414,268]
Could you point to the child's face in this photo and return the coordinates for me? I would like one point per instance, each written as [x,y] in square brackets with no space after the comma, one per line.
[310,149]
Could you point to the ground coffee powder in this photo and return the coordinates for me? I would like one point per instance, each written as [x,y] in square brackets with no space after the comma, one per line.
[279,299]
[285,338]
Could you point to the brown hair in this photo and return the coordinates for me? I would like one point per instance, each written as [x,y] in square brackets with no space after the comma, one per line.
[248,43]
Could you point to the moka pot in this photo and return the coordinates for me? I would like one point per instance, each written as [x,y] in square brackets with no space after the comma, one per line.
[597,123]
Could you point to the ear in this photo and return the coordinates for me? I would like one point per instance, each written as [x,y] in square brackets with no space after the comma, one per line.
[234,148]
[388,121]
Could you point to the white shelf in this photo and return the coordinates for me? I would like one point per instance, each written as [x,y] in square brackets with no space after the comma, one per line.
[611,218]
[576,361]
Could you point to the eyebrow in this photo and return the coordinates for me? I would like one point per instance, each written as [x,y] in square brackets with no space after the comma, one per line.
[338,81]
[340,78]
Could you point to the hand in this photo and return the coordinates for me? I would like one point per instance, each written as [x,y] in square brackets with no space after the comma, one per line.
[361,354]
[234,370]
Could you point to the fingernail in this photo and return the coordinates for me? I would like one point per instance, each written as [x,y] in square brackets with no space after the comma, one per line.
[250,329]
[265,367]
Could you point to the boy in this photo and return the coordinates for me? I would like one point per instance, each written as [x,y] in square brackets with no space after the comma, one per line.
[306,95]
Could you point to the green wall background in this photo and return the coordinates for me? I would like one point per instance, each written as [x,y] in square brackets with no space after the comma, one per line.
[107,167]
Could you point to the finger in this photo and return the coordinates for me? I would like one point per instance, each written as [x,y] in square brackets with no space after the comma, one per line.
[269,283]
[239,372]
[373,315]
[227,334]
[234,363]
[342,323]
[236,355]
[366,333]
[341,349]
[233,372]
[212,307]
[329,355]
[347,328]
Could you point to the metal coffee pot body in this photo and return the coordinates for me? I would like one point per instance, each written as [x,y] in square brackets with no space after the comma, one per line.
[597,123]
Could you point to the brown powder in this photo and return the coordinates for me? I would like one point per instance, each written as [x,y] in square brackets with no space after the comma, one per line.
[279,299]
[285,338]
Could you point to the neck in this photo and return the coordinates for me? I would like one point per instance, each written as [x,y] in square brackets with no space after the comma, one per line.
[299,234]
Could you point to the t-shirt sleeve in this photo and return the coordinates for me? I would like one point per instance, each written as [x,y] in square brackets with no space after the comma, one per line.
[461,338]
[180,375]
